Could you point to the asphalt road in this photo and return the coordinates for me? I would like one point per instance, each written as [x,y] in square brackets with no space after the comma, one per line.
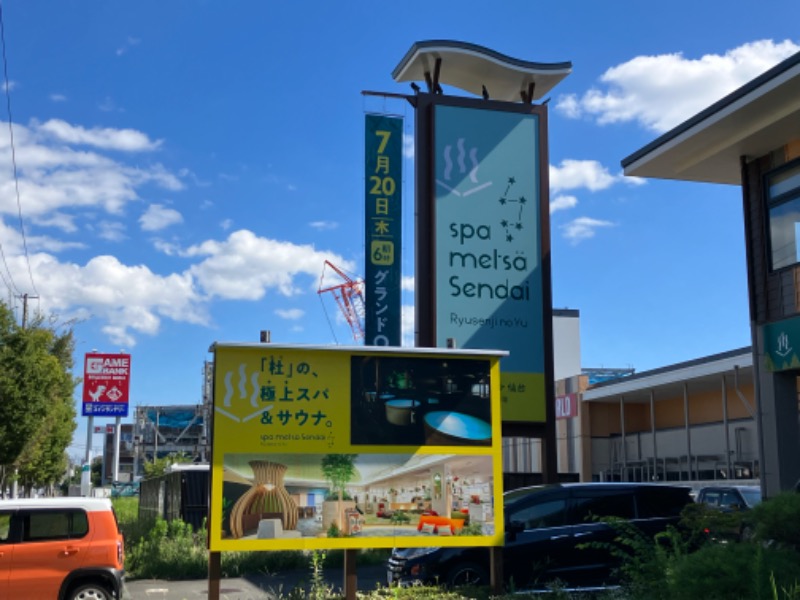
[255,587]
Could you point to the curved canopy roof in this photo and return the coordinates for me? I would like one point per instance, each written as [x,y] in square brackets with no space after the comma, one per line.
[479,70]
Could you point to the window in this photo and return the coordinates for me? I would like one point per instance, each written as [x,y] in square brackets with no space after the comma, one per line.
[551,513]
[783,201]
[588,507]
[5,526]
[655,502]
[54,525]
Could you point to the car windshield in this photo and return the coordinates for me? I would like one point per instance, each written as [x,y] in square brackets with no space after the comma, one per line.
[751,497]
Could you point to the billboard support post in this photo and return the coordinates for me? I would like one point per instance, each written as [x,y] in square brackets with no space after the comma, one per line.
[89,429]
[117,433]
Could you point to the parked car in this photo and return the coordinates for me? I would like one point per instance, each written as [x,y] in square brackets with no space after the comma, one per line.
[544,525]
[60,548]
[730,497]
[735,500]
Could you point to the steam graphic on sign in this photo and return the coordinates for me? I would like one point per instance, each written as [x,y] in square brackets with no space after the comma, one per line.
[462,169]
[242,385]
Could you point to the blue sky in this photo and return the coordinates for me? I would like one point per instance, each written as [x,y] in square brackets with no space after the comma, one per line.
[185,168]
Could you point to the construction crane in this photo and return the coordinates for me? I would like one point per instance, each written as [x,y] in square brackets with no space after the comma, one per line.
[349,295]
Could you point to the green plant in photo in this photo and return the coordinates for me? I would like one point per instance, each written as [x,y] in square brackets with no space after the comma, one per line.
[339,470]
[226,513]
[400,518]
[471,529]
[334,531]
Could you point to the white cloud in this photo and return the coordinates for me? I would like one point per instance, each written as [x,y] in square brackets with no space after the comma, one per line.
[291,314]
[108,105]
[167,248]
[158,217]
[562,203]
[113,231]
[58,98]
[407,321]
[583,228]
[13,244]
[130,42]
[226,224]
[130,300]
[323,225]
[59,220]
[245,266]
[69,181]
[408,145]
[56,180]
[127,140]
[590,174]
[407,283]
[659,92]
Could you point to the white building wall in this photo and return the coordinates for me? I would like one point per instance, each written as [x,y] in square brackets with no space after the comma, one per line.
[521,455]
[566,344]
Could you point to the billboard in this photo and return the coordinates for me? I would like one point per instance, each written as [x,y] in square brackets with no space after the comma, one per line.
[323,448]
[383,229]
[106,381]
[491,288]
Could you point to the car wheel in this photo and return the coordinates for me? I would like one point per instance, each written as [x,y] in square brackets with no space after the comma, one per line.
[467,574]
[91,591]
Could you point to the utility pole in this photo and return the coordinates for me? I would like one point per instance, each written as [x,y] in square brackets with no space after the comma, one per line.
[25,298]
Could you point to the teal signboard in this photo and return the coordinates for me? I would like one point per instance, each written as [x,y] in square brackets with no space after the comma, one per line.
[382,277]
[782,345]
[488,276]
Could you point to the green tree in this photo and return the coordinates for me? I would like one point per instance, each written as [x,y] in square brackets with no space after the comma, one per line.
[339,469]
[160,466]
[37,414]
[96,471]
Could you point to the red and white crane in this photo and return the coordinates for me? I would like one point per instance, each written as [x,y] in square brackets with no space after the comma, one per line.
[348,292]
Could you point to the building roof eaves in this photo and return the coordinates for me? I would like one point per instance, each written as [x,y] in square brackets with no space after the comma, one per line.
[679,372]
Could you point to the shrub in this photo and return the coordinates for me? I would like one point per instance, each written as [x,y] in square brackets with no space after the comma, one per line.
[170,549]
[700,559]
[777,520]
[239,564]
[733,571]
[703,523]
[646,563]
[133,530]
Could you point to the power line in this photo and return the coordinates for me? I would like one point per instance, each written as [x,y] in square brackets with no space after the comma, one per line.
[13,158]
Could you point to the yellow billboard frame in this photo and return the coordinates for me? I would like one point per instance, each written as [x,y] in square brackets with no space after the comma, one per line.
[425,418]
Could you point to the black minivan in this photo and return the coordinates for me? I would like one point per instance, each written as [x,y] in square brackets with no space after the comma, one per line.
[544,525]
